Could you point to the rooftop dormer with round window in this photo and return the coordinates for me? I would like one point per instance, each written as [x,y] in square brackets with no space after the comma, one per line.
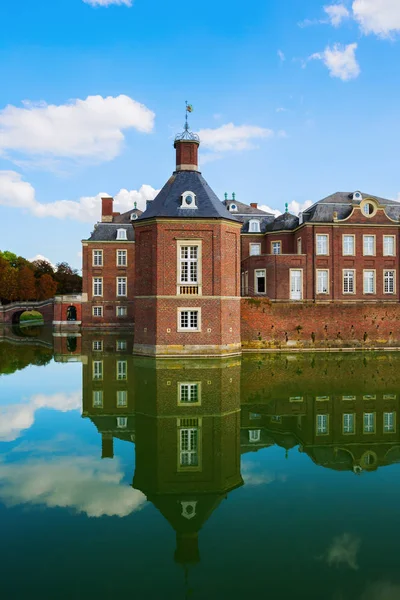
[188,200]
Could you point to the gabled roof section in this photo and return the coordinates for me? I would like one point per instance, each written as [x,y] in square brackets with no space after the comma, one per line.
[168,202]
[126,217]
[107,232]
[245,209]
[342,203]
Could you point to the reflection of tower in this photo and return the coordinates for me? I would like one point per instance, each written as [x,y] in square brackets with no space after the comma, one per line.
[187,442]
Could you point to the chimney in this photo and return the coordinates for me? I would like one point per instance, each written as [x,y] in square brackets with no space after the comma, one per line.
[253,204]
[107,445]
[107,209]
[187,152]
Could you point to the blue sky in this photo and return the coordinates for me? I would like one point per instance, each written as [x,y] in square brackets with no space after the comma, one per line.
[293,101]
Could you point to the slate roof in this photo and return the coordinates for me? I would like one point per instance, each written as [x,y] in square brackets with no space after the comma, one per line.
[126,216]
[167,202]
[244,209]
[342,203]
[107,232]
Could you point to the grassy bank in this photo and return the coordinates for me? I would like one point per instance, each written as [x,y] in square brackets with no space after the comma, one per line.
[30,317]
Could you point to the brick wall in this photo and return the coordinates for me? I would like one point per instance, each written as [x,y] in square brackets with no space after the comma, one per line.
[285,325]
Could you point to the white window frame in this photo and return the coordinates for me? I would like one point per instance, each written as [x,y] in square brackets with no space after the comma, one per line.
[97,370]
[387,279]
[122,422]
[384,243]
[122,370]
[97,345]
[97,285]
[322,424]
[255,250]
[120,253]
[367,249]
[254,435]
[97,399]
[189,447]
[317,282]
[121,345]
[254,226]
[371,426]
[277,243]
[121,311]
[122,398]
[345,249]
[186,389]
[181,260]
[353,279]
[184,203]
[348,420]
[260,274]
[318,239]
[121,234]
[291,271]
[122,285]
[189,309]
[97,309]
[387,416]
[97,258]
[246,283]
[366,280]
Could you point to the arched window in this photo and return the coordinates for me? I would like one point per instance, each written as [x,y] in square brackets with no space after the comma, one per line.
[71,313]
[121,234]
[254,226]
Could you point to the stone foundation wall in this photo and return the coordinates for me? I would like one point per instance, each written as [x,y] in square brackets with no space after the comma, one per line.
[267,325]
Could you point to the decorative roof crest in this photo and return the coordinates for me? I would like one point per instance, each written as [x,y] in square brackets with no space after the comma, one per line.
[187,135]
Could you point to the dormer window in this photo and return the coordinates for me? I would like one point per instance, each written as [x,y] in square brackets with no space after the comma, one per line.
[254,226]
[133,216]
[368,208]
[121,234]
[188,200]
[357,196]
[233,207]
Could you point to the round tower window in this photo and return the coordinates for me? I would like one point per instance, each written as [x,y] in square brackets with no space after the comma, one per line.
[233,207]
[189,200]
[368,209]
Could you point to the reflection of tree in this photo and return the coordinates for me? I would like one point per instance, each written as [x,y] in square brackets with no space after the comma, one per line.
[15,358]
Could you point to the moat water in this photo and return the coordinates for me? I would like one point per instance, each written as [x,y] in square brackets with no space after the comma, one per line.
[270,476]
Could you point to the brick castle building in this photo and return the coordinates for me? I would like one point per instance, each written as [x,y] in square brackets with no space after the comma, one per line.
[178,272]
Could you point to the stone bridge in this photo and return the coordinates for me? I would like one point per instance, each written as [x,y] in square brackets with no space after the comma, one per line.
[10,313]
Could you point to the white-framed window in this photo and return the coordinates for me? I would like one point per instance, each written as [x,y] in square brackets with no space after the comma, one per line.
[296,399]
[188,200]
[189,393]
[349,423]
[322,398]
[322,244]
[369,282]
[368,209]
[121,345]
[97,286]
[121,234]
[389,282]
[299,244]
[276,247]
[389,396]
[369,245]
[349,398]
[97,258]
[254,226]
[122,286]
[189,447]
[188,264]
[97,369]
[122,398]
[254,416]
[369,422]
[97,311]
[276,419]
[254,435]
[322,424]
[296,284]
[122,258]
[122,369]
[97,399]
[246,283]
[349,281]
[98,345]
[260,281]
[122,422]
[389,248]
[322,281]
[349,245]
[255,249]
[369,397]
[189,319]
[121,311]
[389,422]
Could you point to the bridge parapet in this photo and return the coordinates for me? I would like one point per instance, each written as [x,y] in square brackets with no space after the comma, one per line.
[10,313]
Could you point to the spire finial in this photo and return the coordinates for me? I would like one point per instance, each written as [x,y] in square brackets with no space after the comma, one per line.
[286,207]
[233,195]
[135,205]
[187,135]
[226,196]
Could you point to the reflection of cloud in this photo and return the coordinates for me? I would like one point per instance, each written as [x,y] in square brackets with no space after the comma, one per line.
[253,475]
[14,418]
[382,590]
[86,484]
[343,550]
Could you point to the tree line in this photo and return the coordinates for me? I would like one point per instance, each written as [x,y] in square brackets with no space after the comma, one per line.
[22,280]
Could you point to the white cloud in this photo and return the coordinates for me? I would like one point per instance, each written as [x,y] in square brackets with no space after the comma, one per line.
[90,129]
[41,257]
[16,193]
[254,474]
[343,550]
[381,17]
[281,55]
[109,2]
[336,13]
[15,418]
[294,208]
[232,137]
[281,109]
[83,483]
[340,60]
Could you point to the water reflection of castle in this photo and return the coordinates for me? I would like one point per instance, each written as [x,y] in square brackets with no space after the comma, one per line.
[191,420]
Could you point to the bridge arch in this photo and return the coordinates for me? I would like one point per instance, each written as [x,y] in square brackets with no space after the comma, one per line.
[11,313]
